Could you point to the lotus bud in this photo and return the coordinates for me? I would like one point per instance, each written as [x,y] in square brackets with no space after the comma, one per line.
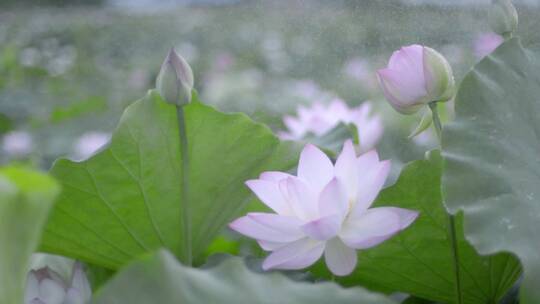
[416,75]
[503,17]
[45,286]
[175,80]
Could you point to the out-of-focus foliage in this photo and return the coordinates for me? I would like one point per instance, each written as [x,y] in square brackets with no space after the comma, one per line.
[493,158]
[25,199]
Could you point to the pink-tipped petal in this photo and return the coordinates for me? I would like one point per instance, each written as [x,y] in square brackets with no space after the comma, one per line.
[299,197]
[371,228]
[406,216]
[366,161]
[268,227]
[324,228]
[296,255]
[315,167]
[274,176]
[268,192]
[370,184]
[333,199]
[340,259]
[346,169]
[270,246]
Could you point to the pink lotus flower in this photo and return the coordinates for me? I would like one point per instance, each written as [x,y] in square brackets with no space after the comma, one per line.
[486,43]
[416,75]
[320,119]
[325,209]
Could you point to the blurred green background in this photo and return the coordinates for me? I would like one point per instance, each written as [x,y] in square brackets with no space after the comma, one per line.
[70,67]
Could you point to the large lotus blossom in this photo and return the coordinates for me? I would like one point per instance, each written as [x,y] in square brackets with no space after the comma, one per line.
[416,75]
[320,119]
[486,43]
[44,286]
[324,210]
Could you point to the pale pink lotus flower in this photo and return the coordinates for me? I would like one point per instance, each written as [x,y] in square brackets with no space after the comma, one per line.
[486,43]
[319,119]
[416,75]
[45,286]
[325,209]
[89,143]
[17,143]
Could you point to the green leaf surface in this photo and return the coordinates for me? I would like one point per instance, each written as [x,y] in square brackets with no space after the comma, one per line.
[126,200]
[25,199]
[493,158]
[419,261]
[161,279]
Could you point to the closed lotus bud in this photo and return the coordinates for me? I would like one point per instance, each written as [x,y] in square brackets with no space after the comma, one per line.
[416,75]
[45,286]
[503,17]
[175,80]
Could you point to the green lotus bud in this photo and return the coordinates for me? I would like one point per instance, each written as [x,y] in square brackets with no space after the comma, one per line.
[438,75]
[175,80]
[503,17]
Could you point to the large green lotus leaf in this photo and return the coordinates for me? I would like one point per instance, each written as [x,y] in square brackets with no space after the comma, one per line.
[493,158]
[161,279]
[420,260]
[25,200]
[127,199]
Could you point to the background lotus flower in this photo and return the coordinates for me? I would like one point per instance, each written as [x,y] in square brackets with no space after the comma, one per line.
[486,43]
[416,75]
[325,209]
[320,119]
[45,286]
[17,143]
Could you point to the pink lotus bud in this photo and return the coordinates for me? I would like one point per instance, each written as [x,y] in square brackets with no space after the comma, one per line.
[175,80]
[416,75]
